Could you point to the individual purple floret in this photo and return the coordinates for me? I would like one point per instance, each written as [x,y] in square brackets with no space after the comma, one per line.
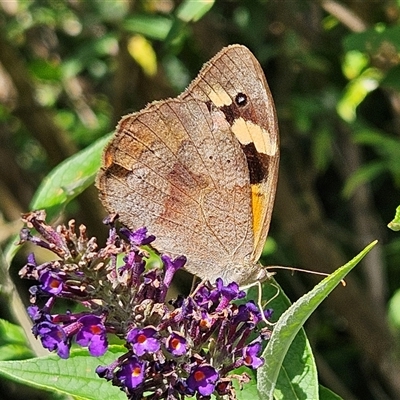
[203,379]
[143,340]
[176,344]
[92,334]
[53,337]
[131,373]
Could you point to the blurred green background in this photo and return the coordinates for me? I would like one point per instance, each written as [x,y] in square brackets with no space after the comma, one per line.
[70,69]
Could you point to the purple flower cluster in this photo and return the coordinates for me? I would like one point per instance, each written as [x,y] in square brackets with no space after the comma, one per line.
[183,349]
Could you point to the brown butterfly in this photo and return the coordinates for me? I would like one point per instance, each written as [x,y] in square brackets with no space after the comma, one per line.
[200,170]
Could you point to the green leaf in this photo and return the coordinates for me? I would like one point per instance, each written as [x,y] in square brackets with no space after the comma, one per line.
[394,225]
[386,146]
[289,325]
[362,175]
[45,70]
[13,342]
[298,374]
[152,26]
[374,39]
[189,11]
[394,311]
[354,63]
[392,78]
[322,148]
[75,376]
[15,352]
[326,394]
[64,183]
[69,179]
[192,11]
[356,91]
[11,333]
[90,51]
[249,390]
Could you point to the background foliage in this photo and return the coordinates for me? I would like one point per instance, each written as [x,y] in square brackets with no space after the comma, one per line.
[70,69]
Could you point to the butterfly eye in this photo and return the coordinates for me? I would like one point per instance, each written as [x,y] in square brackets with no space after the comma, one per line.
[241,99]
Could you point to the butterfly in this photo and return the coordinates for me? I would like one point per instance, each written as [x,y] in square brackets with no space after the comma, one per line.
[200,170]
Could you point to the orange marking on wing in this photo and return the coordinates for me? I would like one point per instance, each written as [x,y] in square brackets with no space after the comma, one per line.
[257,205]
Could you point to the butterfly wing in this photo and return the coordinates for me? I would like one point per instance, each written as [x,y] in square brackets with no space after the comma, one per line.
[234,82]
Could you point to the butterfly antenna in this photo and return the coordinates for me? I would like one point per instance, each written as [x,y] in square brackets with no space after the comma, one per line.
[308,271]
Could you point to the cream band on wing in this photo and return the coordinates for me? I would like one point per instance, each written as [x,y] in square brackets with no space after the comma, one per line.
[219,96]
[247,132]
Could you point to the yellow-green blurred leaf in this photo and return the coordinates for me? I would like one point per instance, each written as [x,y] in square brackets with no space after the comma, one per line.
[191,10]
[143,53]
[394,225]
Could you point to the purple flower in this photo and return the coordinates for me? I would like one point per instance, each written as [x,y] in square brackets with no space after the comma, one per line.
[32,260]
[34,312]
[92,334]
[206,322]
[107,371]
[203,379]
[250,355]
[143,340]
[249,313]
[268,313]
[170,267]
[131,373]
[176,344]
[227,293]
[53,240]
[51,283]
[202,296]
[103,371]
[186,348]
[133,268]
[53,337]
[138,237]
